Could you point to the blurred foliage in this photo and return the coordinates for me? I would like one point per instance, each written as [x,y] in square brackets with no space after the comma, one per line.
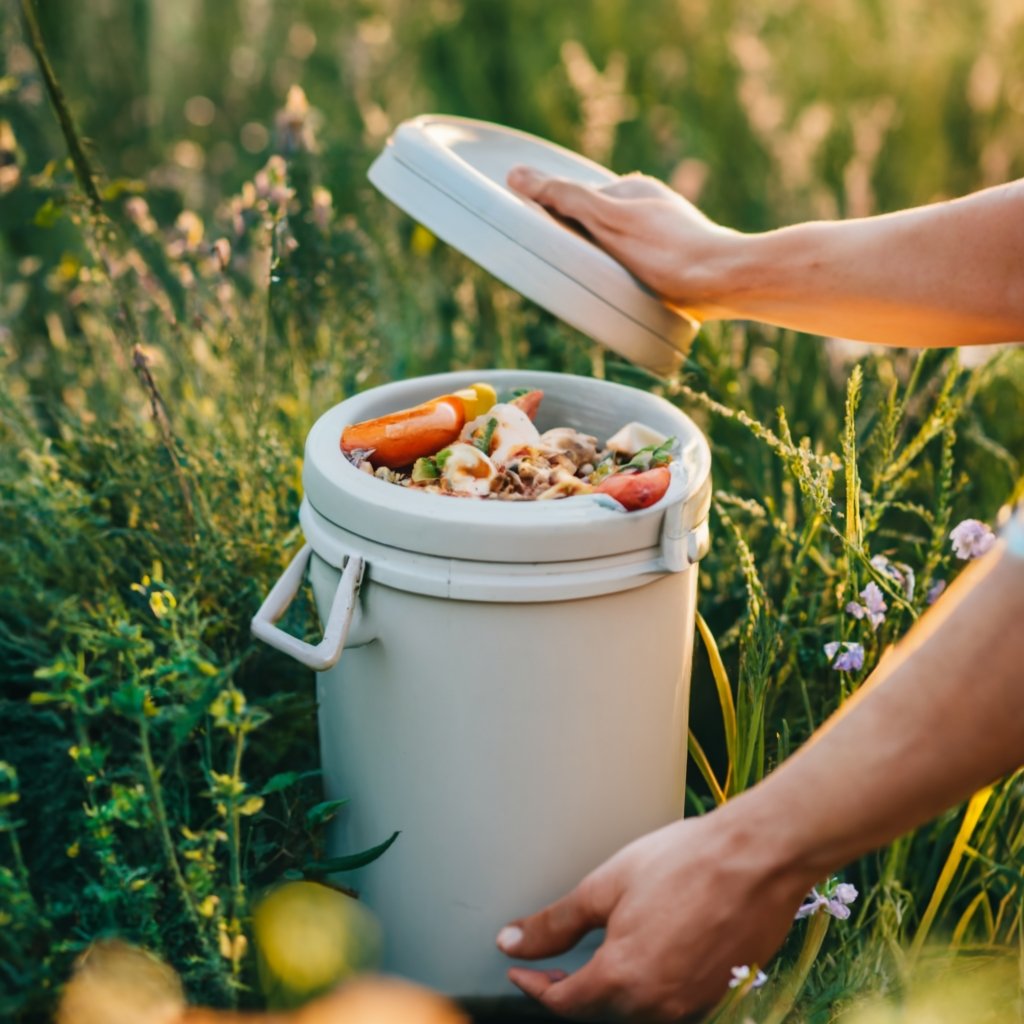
[162,358]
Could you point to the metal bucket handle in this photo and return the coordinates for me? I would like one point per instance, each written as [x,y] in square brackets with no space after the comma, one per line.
[325,654]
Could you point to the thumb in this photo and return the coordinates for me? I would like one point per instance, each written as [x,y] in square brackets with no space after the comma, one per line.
[556,928]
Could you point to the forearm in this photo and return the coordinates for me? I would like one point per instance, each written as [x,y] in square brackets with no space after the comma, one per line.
[942,717]
[946,274]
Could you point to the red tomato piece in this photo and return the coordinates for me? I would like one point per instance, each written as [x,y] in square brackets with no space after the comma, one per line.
[637,490]
[529,403]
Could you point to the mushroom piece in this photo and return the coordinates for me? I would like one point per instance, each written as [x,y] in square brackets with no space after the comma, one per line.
[563,485]
[513,430]
[468,471]
[634,436]
[580,448]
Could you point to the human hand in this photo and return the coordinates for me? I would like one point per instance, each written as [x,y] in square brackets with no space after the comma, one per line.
[681,907]
[654,232]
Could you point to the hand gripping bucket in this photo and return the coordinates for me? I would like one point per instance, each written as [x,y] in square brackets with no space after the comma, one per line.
[504,683]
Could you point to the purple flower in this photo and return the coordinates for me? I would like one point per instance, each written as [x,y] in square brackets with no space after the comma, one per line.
[845,893]
[873,608]
[971,539]
[814,903]
[935,591]
[836,901]
[850,656]
[741,974]
[900,572]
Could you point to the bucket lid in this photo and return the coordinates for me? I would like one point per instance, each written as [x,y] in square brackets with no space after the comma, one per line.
[449,174]
[579,527]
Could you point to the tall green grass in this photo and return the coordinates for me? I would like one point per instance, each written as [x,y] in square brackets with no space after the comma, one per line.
[170,329]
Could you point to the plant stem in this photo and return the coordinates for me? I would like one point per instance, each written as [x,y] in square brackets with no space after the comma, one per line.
[235,830]
[167,843]
[817,928]
[102,230]
[79,160]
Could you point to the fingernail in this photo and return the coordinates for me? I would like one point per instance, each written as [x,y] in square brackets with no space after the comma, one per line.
[556,975]
[509,937]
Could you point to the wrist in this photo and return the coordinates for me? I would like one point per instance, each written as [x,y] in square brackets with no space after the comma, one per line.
[724,279]
[774,839]
[759,276]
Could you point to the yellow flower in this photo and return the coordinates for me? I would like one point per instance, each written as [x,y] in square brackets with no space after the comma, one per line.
[422,241]
[162,602]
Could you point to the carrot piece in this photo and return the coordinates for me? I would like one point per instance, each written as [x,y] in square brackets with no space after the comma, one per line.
[402,437]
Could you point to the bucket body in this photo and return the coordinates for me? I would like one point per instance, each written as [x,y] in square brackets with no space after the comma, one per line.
[518,713]
[514,746]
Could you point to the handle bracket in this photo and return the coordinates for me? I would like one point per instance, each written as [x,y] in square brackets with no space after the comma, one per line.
[326,653]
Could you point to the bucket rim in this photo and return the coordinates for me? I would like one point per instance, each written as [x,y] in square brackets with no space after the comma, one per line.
[505,531]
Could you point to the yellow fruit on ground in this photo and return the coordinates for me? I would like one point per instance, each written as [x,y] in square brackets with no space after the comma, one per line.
[309,937]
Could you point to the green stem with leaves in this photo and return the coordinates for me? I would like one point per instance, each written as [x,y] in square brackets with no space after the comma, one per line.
[167,845]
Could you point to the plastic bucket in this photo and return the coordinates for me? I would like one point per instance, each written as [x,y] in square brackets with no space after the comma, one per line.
[512,696]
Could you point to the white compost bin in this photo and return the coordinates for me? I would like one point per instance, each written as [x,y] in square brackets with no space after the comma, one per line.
[512,694]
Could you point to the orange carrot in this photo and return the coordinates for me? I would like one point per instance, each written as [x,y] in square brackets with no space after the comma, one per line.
[401,438]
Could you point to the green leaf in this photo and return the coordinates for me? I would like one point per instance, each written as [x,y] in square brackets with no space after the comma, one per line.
[442,457]
[323,812]
[349,863]
[653,455]
[424,469]
[285,779]
[47,215]
[483,442]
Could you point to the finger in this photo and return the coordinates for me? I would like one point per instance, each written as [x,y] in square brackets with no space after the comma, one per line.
[590,207]
[556,928]
[587,993]
[638,186]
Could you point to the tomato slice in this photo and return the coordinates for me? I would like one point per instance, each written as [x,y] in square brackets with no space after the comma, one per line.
[529,403]
[637,490]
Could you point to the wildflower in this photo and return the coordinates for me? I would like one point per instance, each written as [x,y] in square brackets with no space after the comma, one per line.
[935,591]
[873,608]
[835,900]
[741,974]
[295,124]
[971,539]
[136,209]
[322,208]
[899,572]
[222,251]
[10,169]
[162,603]
[845,656]
[271,184]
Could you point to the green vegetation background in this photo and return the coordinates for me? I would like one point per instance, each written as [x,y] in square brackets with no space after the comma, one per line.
[164,351]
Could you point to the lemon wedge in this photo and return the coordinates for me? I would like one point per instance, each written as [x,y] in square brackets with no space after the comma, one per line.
[477,399]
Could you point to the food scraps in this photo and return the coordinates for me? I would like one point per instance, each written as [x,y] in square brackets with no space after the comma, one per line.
[470,444]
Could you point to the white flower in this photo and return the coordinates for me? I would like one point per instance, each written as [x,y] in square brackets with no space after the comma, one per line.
[741,974]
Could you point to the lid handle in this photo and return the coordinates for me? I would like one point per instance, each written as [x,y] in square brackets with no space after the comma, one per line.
[326,653]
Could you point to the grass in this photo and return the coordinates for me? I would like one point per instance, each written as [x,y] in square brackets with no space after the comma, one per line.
[170,328]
